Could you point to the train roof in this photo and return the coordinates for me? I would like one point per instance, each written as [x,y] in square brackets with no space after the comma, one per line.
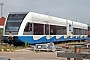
[18,12]
[56,19]
[47,19]
[52,19]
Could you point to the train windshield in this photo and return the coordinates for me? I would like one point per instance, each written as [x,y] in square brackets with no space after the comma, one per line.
[13,23]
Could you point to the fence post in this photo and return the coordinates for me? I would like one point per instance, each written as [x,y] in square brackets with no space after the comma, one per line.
[77,49]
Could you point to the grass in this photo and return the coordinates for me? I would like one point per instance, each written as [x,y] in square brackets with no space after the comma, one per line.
[71,46]
[11,47]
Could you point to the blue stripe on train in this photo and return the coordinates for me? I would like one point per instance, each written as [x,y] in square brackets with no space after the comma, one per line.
[30,39]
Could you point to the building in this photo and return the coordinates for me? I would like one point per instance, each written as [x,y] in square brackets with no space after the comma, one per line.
[2,20]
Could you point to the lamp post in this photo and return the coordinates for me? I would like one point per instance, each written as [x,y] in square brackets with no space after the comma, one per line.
[1,8]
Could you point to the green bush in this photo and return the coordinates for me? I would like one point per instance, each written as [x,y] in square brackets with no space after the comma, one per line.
[1,32]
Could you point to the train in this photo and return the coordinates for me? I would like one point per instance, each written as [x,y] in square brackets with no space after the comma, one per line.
[36,28]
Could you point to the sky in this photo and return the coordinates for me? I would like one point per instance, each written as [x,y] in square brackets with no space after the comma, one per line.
[75,10]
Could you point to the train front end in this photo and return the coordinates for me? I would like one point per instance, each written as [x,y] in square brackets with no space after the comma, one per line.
[11,27]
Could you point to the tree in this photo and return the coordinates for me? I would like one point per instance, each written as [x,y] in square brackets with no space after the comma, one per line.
[88,28]
[1,32]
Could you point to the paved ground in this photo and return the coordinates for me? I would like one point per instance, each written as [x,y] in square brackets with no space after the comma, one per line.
[26,54]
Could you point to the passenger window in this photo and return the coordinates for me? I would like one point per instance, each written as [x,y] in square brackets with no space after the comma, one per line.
[28,27]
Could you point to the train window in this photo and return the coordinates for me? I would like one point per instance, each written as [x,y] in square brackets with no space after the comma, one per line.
[85,31]
[81,31]
[13,23]
[61,30]
[74,31]
[16,16]
[78,31]
[58,30]
[28,27]
[52,30]
[38,29]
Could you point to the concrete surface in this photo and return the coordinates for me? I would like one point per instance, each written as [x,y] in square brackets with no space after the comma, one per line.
[26,54]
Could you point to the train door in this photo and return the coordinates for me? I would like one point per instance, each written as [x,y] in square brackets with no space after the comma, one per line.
[50,31]
[38,31]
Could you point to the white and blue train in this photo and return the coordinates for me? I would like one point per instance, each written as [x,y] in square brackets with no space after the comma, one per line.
[38,28]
